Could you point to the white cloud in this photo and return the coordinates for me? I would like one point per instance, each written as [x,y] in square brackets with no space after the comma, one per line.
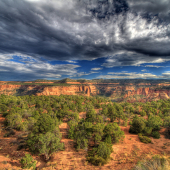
[166,74]
[83,74]
[34,68]
[70,61]
[96,68]
[144,70]
[124,58]
[156,66]
[134,75]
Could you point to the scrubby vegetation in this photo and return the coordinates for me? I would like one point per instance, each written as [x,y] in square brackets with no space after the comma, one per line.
[158,116]
[39,117]
[28,162]
[156,163]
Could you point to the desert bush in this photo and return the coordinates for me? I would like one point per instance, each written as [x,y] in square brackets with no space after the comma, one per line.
[82,134]
[97,105]
[147,131]
[114,131]
[130,122]
[45,123]
[72,125]
[104,151]
[125,121]
[144,139]
[96,160]
[156,163]
[98,132]
[91,116]
[71,116]
[14,120]
[155,134]
[108,140]
[155,122]
[45,144]
[28,162]
[112,113]
[143,113]
[3,108]
[5,114]
[100,155]
[166,121]
[104,111]
[138,125]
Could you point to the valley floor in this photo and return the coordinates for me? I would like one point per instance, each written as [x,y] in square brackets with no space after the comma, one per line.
[125,154]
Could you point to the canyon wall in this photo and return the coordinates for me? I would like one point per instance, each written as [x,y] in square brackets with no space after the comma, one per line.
[9,89]
[142,92]
[127,92]
[68,90]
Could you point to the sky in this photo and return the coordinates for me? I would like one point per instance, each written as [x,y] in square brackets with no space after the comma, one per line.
[84,39]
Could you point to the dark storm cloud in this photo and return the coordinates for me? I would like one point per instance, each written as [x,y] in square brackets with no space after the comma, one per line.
[150,6]
[81,29]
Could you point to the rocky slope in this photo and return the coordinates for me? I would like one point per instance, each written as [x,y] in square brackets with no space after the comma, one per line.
[130,92]
[137,92]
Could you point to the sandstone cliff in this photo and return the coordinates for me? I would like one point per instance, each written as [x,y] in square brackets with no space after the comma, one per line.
[119,92]
[68,90]
[9,89]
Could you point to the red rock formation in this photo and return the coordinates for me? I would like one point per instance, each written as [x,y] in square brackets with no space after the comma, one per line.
[115,90]
[66,90]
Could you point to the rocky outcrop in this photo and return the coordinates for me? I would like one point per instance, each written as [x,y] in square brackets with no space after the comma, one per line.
[48,90]
[139,92]
[68,90]
[127,88]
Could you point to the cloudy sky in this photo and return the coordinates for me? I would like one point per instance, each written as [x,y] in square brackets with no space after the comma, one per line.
[55,39]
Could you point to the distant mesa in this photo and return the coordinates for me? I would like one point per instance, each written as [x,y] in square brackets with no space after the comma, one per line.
[117,90]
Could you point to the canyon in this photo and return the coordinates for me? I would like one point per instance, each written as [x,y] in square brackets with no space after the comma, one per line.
[130,92]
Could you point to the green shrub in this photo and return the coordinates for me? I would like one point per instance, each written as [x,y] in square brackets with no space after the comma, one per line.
[108,140]
[155,134]
[45,123]
[167,121]
[155,122]
[14,120]
[98,132]
[114,131]
[97,160]
[130,123]
[147,131]
[100,155]
[156,163]
[103,151]
[97,105]
[138,125]
[82,134]
[71,132]
[45,144]
[5,114]
[143,113]
[144,139]
[27,162]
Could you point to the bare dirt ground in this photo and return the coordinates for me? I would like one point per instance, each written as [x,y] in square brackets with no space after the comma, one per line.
[125,154]
[8,152]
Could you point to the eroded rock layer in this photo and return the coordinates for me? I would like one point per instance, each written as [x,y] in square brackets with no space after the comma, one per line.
[130,92]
